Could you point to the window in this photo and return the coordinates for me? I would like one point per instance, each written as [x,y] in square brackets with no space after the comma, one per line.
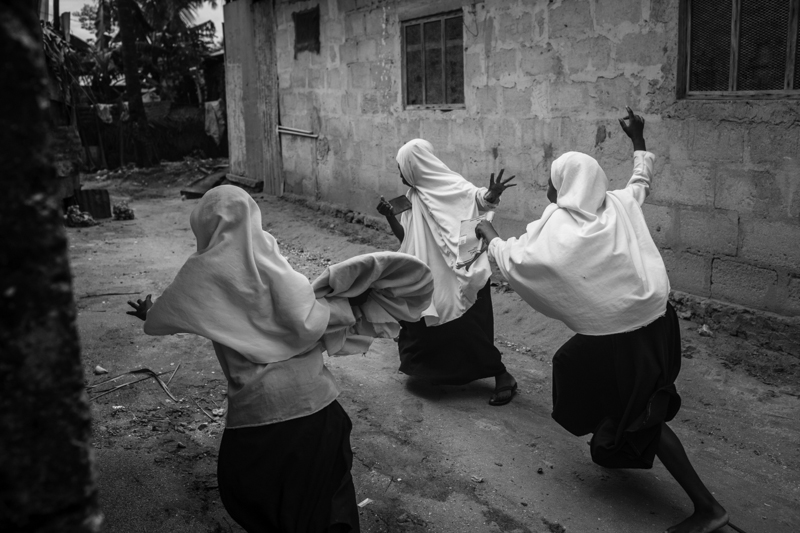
[738,49]
[306,31]
[433,56]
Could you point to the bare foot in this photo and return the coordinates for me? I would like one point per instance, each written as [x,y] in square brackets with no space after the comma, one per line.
[704,521]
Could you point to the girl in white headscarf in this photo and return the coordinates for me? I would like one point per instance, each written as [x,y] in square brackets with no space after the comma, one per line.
[285,458]
[454,342]
[590,262]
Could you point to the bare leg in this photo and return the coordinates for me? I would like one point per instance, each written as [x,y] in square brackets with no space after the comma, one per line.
[708,514]
[503,380]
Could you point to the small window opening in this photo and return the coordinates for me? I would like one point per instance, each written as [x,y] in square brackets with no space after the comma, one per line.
[306,31]
[433,53]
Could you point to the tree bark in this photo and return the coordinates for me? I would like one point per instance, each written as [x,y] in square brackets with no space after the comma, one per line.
[46,481]
[144,150]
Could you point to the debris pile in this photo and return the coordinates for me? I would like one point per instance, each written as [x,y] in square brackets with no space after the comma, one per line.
[75,218]
[123,212]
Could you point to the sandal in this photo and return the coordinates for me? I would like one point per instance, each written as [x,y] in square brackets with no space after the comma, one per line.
[494,401]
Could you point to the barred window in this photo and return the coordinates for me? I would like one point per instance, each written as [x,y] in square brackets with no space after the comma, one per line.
[738,49]
[433,61]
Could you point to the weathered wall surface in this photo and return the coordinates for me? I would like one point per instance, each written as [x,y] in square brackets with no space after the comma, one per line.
[543,77]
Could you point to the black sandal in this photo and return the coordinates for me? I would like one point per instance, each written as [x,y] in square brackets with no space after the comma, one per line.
[494,401]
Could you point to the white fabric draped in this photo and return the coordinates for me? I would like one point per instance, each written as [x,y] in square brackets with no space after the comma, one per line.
[590,261]
[441,199]
[237,289]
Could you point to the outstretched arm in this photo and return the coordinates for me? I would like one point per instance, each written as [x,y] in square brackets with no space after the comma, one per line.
[141,307]
[643,160]
[497,187]
[385,209]
[634,129]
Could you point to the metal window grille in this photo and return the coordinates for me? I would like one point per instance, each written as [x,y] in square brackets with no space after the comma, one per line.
[739,49]
[433,54]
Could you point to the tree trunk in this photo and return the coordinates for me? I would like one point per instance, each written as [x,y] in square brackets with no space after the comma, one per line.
[144,149]
[45,459]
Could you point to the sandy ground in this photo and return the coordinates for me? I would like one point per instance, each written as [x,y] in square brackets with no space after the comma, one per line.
[431,458]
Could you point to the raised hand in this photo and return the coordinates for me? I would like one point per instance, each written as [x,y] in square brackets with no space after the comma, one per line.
[496,187]
[634,129]
[141,307]
[385,208]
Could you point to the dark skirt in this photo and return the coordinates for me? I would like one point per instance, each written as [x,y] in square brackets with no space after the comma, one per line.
[620,388]
[454,353]
[291,477]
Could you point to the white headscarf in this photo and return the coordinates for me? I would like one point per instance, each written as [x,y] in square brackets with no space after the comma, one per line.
[237,289]
[590,260]
[440,200]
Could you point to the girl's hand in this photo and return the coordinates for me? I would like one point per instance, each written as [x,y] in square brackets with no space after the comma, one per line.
[484,230]
[141,307]
[634,129]
[385,208]
[497,187]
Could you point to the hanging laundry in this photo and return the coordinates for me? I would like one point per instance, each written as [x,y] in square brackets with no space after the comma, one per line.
[215,120]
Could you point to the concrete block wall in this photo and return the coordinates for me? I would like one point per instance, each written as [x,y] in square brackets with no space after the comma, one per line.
[543,77]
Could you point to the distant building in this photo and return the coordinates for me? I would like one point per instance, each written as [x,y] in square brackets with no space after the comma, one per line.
[514,83]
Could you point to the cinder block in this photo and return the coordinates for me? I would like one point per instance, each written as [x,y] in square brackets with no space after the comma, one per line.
[299,76]
[715,231]
[659,220]
[332,31]
[771,243]
[515,26]
[517,103]
[436,132]
[348,52]
[375,22]
[282,39]
[367,50]
[687,272]
[709,141]
[540,61]
[771,143]
[593,53]
[741,283]
[502,63]
[409,129]
[487,100]
[687,184]
[565,97]
[370,103]
[614,12]
[748,191]
[354,25]
[363,130]
[613,94]
[350,103]
[346,5]
[359,78]
[316,78]
[381,76]
[571,19]
[642,49]
[333,79]
[474,73]
[468,133]
[501,132]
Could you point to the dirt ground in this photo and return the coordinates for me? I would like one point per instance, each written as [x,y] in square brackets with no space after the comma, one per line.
[430,458]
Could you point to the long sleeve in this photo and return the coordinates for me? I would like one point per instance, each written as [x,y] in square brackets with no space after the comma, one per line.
[639,184]
[480,198]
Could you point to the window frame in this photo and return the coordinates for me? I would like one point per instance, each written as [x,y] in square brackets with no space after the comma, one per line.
[442,16]
[684,59]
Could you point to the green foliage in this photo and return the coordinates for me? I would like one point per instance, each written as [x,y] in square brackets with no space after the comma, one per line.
[62,63]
